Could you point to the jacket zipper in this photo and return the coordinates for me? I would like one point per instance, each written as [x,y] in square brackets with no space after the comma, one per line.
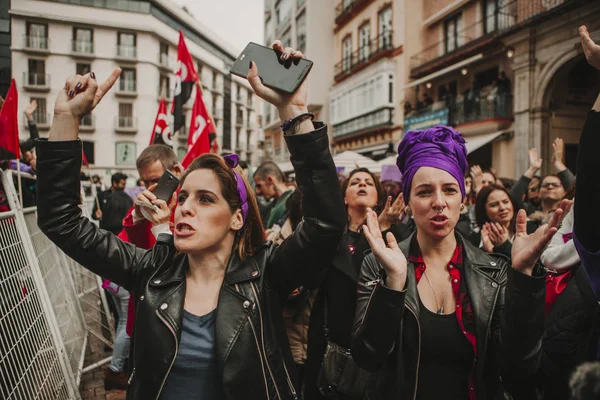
[259,356]
[262,336]
[131,377]
[418,352]
[175,356]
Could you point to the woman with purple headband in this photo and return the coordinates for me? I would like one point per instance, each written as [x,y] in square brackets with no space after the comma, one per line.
[209,297]
[436,317]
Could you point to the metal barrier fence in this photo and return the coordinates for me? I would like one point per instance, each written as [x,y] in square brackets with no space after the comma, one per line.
[43,296]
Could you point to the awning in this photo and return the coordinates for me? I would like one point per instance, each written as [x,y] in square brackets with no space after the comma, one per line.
[350,160]
[477,141]
[444,71]
[285,166]
[382,146]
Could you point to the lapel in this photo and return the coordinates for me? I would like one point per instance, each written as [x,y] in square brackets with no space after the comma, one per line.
[168,284]
[411,298]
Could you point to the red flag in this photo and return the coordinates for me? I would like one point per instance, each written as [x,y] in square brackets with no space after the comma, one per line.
[161,133]
[84,158]
[201,128]
[9,126]
[184,82]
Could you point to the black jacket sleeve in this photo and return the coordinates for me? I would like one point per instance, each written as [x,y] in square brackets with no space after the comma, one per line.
[566,178]
[379,313]
[309,250]
[60,218]
[587,192]
[520,188]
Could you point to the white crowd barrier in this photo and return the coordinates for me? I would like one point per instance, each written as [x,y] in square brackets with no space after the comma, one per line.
[48,306]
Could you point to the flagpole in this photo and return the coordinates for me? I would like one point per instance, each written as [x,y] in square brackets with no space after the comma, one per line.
[19,182]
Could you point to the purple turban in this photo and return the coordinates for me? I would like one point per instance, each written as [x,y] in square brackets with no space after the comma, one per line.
[440,147]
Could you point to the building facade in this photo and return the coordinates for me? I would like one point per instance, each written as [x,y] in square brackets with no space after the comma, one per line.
[51,40]
[305,25]
[368,49]
[485,67]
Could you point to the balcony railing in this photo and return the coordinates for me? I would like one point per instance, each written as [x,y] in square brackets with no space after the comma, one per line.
[366,53]
[36,42]
[82,46]
[126,124]
[343,7]
[347,9]
[35,80]
[126,51]
[501,21]
[370,120]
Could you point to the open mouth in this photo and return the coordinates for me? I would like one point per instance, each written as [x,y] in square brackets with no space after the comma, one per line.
[183,229]
[440,218]
[362,192]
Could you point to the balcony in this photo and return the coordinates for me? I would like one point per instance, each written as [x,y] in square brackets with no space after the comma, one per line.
[37,44]
[127,88]
[87,123]
[83,47]
[126,124]
[36,81]
[125,51]
[381,117]
[347,9]
[481,34]
[377,48]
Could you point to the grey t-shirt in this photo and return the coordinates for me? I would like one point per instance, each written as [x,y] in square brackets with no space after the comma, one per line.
[195,374]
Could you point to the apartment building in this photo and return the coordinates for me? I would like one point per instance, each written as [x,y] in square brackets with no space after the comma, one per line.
[51,40]
[305,25]
[364,100]
[482,66]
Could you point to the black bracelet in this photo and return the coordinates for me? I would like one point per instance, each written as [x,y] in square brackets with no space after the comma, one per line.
[290,126]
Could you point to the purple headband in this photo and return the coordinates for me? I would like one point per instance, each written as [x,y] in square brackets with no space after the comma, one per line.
[440,147]
[232,161]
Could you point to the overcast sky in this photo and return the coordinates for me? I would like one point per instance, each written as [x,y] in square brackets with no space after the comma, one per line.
[236,21]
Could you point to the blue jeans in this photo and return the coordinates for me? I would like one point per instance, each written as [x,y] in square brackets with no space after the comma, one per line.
[121,345]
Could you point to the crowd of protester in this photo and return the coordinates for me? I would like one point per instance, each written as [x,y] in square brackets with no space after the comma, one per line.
[434,279]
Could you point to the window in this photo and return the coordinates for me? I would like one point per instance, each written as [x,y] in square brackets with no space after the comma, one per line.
[40,116]
[127,82]
[88,151]
[347,53]
[125,115]
[164,54]
[37,36]
[391,89]
[286,38]
[301,32]
[126,153]
[83,41]
[37,73]
[453,33]
[283,10]
[249,98]
[215,110]
[365,42]
[490,15]
[164,86]
[126,45]
[83,68]
[385,28]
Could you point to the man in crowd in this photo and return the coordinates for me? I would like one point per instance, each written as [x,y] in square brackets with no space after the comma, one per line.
[270,183]
[114,204]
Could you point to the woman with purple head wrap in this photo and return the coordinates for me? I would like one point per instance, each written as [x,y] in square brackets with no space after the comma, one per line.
[432,311]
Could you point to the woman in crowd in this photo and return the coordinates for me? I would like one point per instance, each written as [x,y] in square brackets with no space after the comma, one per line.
[436,316]
[496,214]
[209,319]
[335,305]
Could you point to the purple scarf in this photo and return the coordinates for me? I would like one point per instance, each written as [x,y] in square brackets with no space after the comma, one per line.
[440,147]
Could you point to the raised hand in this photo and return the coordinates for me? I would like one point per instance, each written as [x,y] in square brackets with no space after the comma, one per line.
[527,249]
[289,105]
[534,159]
[391,212]
[486,242]
[161,214]
[81,94]
[390,256]
[591,49]
[477,175]
[31,109]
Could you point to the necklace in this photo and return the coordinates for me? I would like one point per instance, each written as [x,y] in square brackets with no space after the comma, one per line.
[438,305]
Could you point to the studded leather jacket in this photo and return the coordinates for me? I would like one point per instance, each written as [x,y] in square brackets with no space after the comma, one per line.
[252,351]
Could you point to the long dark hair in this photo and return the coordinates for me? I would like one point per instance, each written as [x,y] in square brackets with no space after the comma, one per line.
[481,215]
[380,193]
[252,234]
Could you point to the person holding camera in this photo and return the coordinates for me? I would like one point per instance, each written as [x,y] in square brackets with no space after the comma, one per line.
[209,297]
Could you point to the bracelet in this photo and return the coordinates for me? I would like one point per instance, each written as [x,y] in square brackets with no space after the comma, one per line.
[290,127]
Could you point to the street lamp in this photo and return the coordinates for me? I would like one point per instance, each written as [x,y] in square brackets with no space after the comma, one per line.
[510,53]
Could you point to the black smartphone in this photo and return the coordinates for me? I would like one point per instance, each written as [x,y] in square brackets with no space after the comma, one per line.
[167,185]
[283,75]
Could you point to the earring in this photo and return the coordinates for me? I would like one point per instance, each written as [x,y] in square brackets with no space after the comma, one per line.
[462,207]
[408,210]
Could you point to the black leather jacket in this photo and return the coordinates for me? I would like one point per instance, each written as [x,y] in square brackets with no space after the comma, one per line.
[509,321]
[252,351]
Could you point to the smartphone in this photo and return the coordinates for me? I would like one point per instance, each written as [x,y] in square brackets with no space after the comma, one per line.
[167,185]
[282,75]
